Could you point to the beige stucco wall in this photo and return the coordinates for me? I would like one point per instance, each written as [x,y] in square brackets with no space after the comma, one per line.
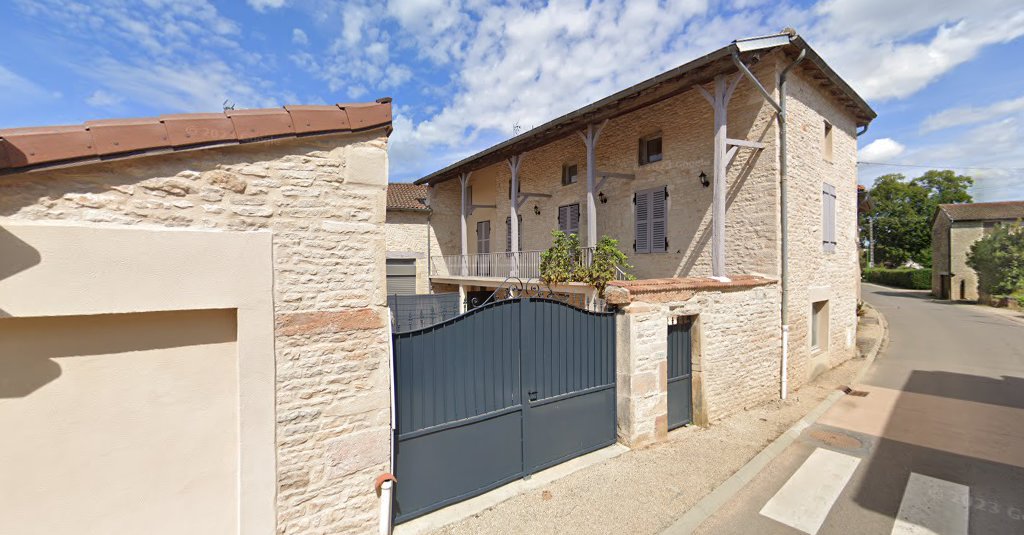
[407,235]
[104,411]
[962,235]
[323,200]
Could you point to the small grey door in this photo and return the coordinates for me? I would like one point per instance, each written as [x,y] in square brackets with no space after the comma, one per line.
[401,273]
[680,344]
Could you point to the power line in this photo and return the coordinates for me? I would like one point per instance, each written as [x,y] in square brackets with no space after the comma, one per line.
[942,166]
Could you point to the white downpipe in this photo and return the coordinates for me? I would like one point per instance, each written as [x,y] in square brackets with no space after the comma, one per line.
[384,527]
[785,360]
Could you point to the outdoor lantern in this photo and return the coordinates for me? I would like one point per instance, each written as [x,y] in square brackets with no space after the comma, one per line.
[704,179]
[536,209]
[601,197]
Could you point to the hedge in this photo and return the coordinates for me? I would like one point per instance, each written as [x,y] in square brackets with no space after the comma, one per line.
[914,279]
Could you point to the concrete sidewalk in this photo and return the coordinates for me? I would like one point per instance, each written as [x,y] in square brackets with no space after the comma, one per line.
[645,491]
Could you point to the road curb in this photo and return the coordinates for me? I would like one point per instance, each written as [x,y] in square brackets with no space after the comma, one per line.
[710,504]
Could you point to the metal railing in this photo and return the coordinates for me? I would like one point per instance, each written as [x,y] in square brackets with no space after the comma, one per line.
[521,264]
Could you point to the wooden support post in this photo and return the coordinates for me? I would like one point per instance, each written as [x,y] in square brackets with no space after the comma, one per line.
[590,142]
[720,103]
[513,166]
[464,212]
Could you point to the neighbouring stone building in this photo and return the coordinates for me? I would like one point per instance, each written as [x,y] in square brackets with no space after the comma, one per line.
[955,227]
[685,171]
[410,242]
[192,323]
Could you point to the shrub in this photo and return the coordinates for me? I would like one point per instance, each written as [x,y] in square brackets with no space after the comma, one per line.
[998,258]
[914,279]
[563,262]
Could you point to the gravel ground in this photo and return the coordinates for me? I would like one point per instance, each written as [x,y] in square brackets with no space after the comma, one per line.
[644,491]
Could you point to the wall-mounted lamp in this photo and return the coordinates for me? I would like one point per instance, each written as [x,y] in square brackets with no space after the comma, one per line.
[703,179]
[536,209]
[601,197]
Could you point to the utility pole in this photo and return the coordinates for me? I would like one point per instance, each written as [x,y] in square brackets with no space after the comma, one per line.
[871,242]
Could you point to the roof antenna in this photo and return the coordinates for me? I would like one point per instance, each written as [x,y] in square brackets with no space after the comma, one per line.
[228,105]
[516,129]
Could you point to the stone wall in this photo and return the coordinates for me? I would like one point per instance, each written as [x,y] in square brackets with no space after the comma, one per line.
[686,124]
[964,283]
[407,235]
[814,274]
[940,252]
[737,360]
[323,199]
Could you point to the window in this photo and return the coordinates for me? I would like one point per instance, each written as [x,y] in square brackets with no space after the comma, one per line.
[826,146]
[508,233]
[569,174]
[819,325]
[828,218]
[401,276]
[483,237]
[569,218]
[651,220]
[650,149]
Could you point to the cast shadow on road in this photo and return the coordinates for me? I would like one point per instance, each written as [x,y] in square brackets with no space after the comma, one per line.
[980,446]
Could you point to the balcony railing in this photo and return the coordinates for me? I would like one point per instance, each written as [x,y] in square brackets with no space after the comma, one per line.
[522,264]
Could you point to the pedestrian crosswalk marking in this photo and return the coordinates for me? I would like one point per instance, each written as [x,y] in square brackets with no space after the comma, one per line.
[806,498]
[933,506]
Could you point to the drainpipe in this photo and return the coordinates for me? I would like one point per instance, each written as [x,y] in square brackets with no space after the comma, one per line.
[384,484]
[784,221]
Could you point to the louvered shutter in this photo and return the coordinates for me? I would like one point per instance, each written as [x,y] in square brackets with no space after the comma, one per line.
[483,237]
[642,220]
[659,220]
[828,217]
[508,233]
[569,218]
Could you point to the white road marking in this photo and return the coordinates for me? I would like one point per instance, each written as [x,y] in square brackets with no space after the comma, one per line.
[805,500]
[933,506]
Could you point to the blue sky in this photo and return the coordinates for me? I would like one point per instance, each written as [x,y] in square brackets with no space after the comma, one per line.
[944,75]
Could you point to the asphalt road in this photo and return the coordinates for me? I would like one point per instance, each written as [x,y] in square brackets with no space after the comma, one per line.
[935,444]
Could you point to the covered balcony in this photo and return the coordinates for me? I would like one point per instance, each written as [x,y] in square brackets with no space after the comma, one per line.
[496,267]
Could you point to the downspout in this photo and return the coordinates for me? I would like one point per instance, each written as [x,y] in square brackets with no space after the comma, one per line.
[784,220]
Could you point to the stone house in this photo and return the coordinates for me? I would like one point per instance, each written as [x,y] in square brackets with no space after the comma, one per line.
[730,182]
[408,238]
[955,227]
[193,319]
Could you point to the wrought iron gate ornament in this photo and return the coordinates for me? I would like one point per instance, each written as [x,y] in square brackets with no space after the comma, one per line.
[515,287]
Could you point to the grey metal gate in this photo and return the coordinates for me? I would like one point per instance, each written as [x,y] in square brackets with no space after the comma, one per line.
[498,393]
[680,400]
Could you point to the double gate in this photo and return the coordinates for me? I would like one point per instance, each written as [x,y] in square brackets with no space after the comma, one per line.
[496,394]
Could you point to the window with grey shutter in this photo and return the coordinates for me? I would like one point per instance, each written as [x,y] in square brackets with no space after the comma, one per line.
[651,220]
[569,218]
[508,233]
[828,218]
[569,174]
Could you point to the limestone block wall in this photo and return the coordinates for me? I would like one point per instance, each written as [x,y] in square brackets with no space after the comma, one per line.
[963,234]
[814,274]
[686,125]
[737,352]
[323,199]
[940,252]
[407,235]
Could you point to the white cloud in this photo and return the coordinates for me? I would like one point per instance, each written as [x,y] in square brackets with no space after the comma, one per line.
[103,99]
[11,83]
[971,114]
[881,150]
[299,37]
[263,5]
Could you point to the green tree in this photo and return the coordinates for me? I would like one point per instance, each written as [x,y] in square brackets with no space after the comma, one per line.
[607,261]
[564,262]
[903,210]
[998,259]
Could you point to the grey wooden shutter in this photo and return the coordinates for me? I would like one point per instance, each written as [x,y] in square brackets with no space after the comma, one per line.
[569,218]
[642,221]
[828,217]
[659,220]
[508,233]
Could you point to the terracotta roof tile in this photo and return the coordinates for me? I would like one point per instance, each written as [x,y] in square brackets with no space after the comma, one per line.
[409,197]
[984,210]
[24,148]
[676,289]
